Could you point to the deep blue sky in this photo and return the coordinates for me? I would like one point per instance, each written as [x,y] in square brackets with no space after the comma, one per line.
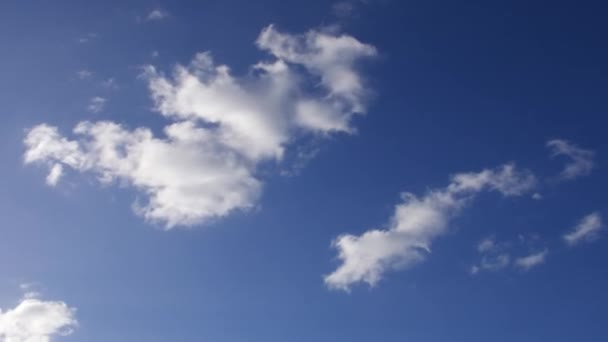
[458,86]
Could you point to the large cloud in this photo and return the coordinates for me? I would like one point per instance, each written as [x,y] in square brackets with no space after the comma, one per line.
[415,224]
[35,320]
[223,127]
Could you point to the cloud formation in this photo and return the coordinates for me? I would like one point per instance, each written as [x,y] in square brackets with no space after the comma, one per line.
[36,320]
[222,127]
[581,160]
[157,14]
[416,222]
[532,260]
[97,104]
[494,256]
[586,230]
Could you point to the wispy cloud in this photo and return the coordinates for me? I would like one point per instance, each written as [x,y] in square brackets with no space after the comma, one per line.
[110,83]
[84,74]
[157,14]
[97,104]
[587,229]
[581,160]
[532,260]
[494,256]
[87,38]
[415,224]
[343,9]
[205,165]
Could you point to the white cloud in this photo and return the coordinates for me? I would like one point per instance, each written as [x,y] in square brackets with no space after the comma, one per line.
[586,230]
[110,83]
[492,262]
[36,320]
[415,224]
[54,175]
[494,256]
[97,104]
[532,260]
[486,245]
[87,37]
[205,165]
[581,160]
[157,14]
[84,74]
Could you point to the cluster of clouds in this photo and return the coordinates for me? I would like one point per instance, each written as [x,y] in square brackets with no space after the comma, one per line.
[36,320]
[495,255]
[418,221]
[221,127]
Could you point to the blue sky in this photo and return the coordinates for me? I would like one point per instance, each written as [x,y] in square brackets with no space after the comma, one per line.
[303,171]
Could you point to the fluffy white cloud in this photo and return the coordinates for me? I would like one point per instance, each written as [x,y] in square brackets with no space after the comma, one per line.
[223,127]
[36,320]
[532,260]
[586,230]
[415,224]
[581,160]
[97,104]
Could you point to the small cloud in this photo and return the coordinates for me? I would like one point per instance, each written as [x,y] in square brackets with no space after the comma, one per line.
[486,245]
[587,230]
[110,83]
[532,260]
[496,256]
[537,196]
[154,54]
[54,175]
[157,14]
[87,38]
[97,104]
[581,160]
[494,262]
[84,74]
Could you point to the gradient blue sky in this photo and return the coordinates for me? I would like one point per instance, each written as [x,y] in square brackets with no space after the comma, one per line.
[455,87]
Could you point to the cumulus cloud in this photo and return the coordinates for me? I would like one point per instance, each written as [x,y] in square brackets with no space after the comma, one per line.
[532,260]
[222,127]
[416,222]
[97,104]
[36,320]
[581,160]
[587,229]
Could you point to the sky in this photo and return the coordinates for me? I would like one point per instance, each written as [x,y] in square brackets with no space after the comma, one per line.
[358,170]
